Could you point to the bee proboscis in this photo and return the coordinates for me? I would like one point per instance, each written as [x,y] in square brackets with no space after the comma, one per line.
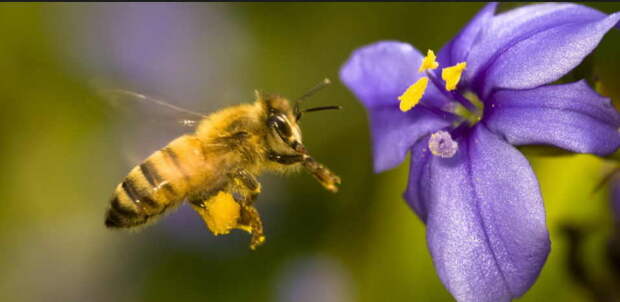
[215,168]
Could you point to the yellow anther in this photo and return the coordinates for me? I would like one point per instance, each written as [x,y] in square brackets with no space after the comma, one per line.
[413,94]
[223,213]
[452,75]
[428,62]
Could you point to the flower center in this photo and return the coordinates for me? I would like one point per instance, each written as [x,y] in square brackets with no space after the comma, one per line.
[472,114]
[466,108]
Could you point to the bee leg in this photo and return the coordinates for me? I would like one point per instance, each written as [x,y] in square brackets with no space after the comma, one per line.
[247,186]
[286,159]
[324,176]
[246,189]
[249,221]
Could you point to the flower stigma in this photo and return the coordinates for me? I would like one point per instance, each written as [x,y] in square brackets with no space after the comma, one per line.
[452,75]
[413,94]
[428,62]
[441,144]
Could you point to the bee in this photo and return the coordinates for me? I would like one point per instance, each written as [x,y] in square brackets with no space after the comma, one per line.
[215,168]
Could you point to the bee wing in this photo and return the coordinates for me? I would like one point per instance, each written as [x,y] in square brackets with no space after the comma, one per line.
[117,97]
[145,123]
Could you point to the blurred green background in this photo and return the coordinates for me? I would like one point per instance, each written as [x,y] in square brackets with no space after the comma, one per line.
[65,148]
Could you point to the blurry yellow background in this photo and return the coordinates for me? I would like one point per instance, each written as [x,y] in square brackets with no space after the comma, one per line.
[64,149]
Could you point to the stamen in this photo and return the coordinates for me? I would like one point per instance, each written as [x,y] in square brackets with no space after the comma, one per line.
[413,94]
[223,213]
[452,75]
[465,101]
[428,62]
[442,145]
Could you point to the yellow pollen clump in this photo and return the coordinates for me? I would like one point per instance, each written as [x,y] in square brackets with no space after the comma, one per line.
[452,75]
[223,212]
[413,94]
[428,62]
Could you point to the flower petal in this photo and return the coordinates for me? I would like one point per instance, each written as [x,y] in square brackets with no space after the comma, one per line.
[486,222]
[546,55]
[458,48]
[507,29]
[417,190]
[378,74]
[570,116]
[394,132]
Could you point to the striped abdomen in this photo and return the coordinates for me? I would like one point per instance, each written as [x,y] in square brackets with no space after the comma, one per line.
[161,182]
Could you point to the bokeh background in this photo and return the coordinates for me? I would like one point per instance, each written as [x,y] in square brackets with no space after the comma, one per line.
[65,145]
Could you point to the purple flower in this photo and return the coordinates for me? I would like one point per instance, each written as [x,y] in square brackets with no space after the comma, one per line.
[477,193]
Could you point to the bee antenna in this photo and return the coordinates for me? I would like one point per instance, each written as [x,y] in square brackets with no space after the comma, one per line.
[308,94]
[336,107]
[313,90]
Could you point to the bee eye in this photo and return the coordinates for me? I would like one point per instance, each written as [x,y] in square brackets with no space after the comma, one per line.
[281,125]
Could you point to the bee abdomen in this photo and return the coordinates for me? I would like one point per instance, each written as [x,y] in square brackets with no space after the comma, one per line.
[131,205]
[160,182]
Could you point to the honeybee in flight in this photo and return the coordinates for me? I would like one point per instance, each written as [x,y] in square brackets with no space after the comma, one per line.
[215,168]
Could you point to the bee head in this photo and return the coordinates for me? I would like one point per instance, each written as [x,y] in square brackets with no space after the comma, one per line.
[282,119]
[284,133]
